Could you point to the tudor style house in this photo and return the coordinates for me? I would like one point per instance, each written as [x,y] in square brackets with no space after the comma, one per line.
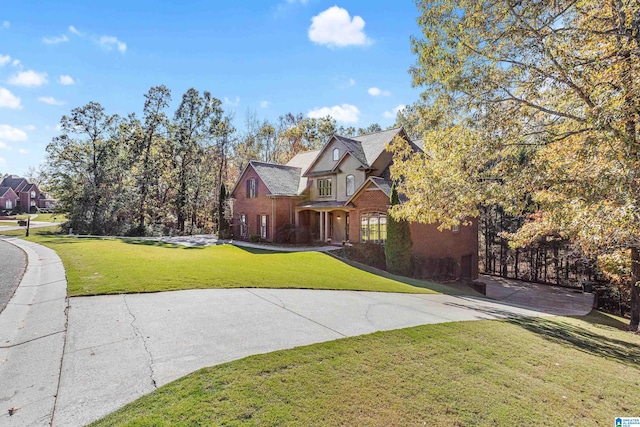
[340,193]
[17,193]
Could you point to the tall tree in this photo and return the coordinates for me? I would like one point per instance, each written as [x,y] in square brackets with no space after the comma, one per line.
[192,133]
[397,249]
[147,145]
[86,168]
[530,102]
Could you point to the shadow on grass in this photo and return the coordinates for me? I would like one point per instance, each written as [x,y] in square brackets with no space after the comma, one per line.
[158,243]
[583,339]
[259,251]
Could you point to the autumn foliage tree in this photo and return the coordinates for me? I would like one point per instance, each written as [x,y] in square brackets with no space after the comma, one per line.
[531,103]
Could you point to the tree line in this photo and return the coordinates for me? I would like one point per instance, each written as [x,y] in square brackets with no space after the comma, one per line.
[161,173]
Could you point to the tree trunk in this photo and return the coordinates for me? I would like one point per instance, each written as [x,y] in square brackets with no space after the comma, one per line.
[635,289]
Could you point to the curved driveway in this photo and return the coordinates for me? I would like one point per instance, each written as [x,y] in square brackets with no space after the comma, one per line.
[12,264]
[120,347]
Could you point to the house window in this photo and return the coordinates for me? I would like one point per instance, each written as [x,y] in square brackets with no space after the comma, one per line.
[252,188]
[336,154]
[263,226]
[456,228]
[351,185]
[373,227]
[324,187]
[8,204]
[243,225]
[33,194]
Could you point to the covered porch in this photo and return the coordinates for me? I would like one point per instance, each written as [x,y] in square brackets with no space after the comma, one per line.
[323,221]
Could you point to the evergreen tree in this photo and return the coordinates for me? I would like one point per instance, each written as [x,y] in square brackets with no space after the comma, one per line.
[397,249]
[223,225]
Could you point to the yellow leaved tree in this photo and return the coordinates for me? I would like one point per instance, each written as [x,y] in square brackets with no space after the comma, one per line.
[530,103]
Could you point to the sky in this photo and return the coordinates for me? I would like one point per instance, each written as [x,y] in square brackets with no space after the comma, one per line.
[347,59]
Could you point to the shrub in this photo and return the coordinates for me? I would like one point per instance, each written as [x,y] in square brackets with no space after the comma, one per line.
[398,246]
[286,233]
[226,234]
[367,253]
[254,238]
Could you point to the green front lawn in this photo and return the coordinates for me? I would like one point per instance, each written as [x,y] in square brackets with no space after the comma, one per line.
[108,266]
[526,372]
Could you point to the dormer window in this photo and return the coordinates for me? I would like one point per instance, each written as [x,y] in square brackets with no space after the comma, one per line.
[336,154]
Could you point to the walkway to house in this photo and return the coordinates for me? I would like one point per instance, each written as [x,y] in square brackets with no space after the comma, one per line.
[73,360]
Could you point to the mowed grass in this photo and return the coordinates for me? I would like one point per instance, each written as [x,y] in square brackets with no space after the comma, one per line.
[526,372]
[108,266]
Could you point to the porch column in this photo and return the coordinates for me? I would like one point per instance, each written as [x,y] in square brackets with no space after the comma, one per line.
[321,237]
[326,225]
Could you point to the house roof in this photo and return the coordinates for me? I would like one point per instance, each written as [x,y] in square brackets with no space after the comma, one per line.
[324,204]
[365,148]
[4,191]
[303,161]
[279,179]
[14,181]
[373,144]
[382,184]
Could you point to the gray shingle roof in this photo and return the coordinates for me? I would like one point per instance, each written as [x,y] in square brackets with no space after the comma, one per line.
[13,181]
[303,161]
[3,191]
[280,180]
[355,148]
[373,144]
[383,184]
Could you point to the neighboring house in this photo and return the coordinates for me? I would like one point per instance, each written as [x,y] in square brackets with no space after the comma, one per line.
[8,199]
[340,193]
[29,198]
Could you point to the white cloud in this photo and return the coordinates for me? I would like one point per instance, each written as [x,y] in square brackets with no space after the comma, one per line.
[335,28]
[9,100]
[345,113]
[393,113]
[50,100]
[374,91]
[6,24]
[66,80]
[4,60]
[232,103]
[4,146]
[15,63]
[55,40]
[12,134]
[23,151]
[352,82]
[265,104]
[28,78]
[73,30]
[109,42]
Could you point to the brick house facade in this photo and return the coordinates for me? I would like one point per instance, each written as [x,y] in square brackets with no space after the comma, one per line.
[29,198]
[339,193]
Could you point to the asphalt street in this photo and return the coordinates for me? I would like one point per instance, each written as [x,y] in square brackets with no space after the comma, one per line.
[13,261]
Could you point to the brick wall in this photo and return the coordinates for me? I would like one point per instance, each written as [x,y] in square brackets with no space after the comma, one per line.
[280,209]
[428,241]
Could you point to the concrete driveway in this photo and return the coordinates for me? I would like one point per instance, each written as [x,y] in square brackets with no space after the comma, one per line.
[118,348]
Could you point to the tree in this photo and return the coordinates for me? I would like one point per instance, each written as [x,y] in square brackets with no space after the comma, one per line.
[147,144]
[86,169]
[397,249]
[530,103]
[223,225]
[192,133]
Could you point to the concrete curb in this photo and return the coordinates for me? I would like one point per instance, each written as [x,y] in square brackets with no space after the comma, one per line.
[33,330]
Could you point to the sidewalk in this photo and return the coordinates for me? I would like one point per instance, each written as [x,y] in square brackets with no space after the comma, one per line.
[32,335]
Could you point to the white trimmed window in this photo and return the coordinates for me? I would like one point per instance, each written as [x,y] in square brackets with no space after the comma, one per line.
[324,187]
[263,226]
[243,225]
[373,227]
[336,154]
[252,188]
[8,204]
[33,194]
[351,185]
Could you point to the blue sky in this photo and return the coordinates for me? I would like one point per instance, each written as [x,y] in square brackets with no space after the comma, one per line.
[349,59]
